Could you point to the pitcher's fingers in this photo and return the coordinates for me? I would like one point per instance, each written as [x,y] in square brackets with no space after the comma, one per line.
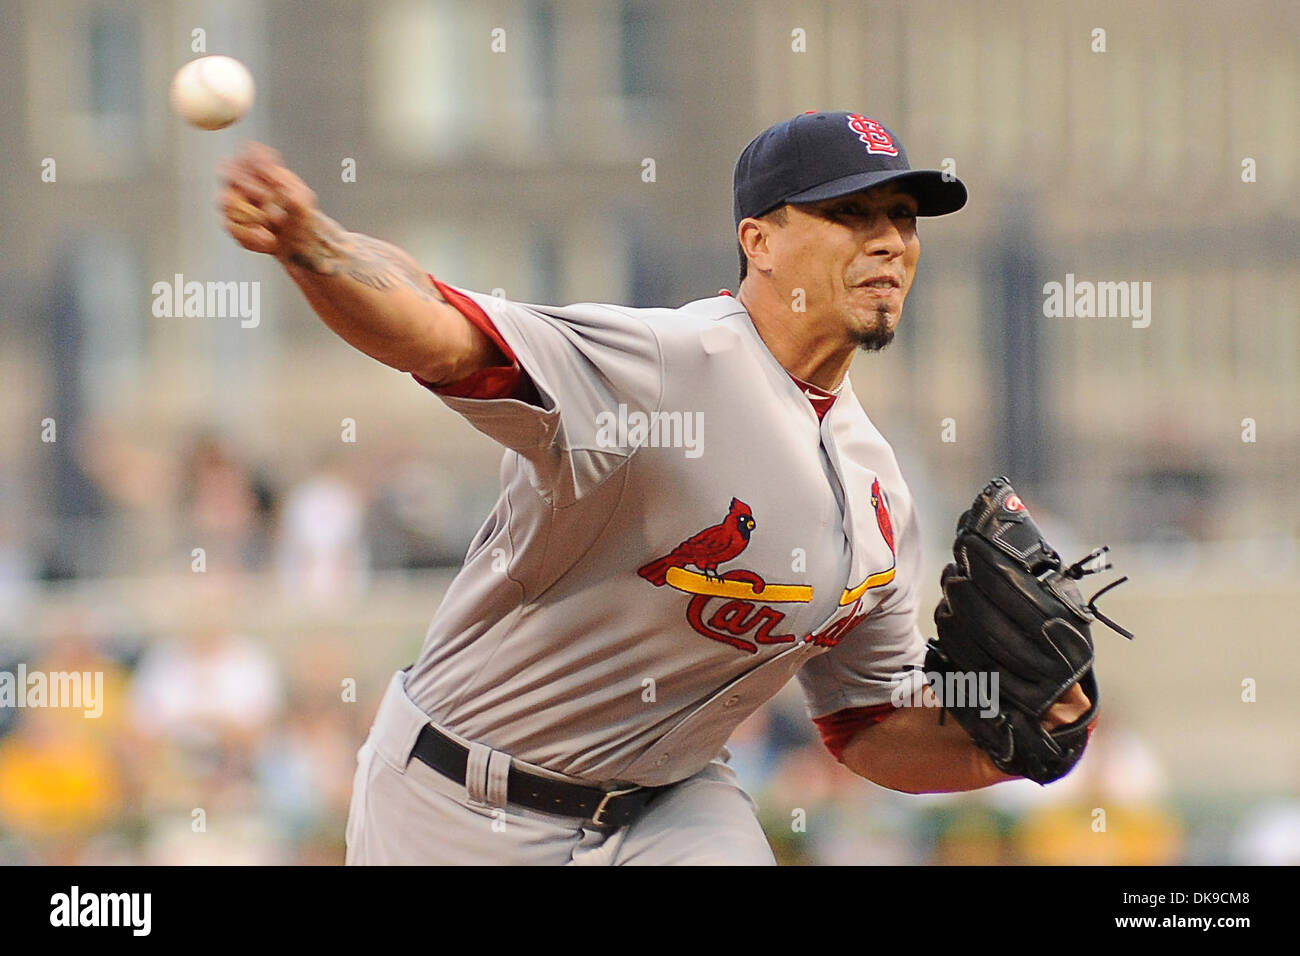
[267,171]
[245,213]
[252,189]
[253,238]
[275,217]
[251,170]
[234,203]
[288,186]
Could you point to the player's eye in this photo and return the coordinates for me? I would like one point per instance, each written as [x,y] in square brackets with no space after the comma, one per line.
[904,212]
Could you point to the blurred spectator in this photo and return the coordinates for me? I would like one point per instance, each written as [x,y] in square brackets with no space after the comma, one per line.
[228,508]
[306,764]
[201,704]
[1270,834]
[63,772]
[1112,809]
[17,575]
[212,687]
[814,810]
[817,812]
[230,836]
[322,555]
[965,829]
[56,788]
[417,516]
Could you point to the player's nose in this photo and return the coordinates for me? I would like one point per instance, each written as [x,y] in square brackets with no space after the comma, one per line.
[885,238]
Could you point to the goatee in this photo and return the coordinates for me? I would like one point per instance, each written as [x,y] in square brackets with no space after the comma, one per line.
[876,335]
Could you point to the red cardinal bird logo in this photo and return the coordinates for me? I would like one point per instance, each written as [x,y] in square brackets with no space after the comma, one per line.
[709,548]
[882,515]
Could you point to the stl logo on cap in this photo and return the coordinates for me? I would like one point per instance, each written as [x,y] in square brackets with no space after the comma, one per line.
[873,134]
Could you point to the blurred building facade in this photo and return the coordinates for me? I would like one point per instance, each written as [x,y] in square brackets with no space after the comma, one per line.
[567,150]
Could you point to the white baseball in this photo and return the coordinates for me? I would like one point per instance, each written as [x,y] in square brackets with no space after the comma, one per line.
[212,91]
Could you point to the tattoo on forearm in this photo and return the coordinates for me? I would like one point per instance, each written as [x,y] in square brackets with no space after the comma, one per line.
[334,251]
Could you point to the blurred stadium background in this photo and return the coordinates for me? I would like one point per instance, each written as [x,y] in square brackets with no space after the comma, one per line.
[523,171]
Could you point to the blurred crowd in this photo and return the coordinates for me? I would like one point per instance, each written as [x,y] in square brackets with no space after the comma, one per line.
[1113,809]
[217,745]
[214,748]
[130,506]
[210,749]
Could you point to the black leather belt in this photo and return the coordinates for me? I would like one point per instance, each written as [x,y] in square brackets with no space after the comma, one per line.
[605,809]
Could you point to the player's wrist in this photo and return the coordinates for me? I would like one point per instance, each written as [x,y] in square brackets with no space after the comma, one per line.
[310,243]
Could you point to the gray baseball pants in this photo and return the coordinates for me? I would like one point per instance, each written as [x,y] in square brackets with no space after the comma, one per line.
[406,813]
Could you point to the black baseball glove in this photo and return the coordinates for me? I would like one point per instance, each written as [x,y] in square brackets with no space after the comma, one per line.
[1011,613]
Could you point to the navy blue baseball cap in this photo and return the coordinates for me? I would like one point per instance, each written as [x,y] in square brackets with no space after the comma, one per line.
[819,156]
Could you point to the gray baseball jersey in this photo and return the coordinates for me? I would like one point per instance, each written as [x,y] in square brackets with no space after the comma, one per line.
[677,535]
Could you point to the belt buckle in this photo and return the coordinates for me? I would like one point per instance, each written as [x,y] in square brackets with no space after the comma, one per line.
[609,795]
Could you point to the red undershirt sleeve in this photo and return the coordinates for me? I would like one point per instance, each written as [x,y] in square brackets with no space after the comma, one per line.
[498,381]
[838,729]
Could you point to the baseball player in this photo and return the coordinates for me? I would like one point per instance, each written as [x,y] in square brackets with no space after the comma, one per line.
[694,509]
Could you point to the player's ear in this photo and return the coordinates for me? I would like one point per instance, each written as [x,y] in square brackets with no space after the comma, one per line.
[753,237]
